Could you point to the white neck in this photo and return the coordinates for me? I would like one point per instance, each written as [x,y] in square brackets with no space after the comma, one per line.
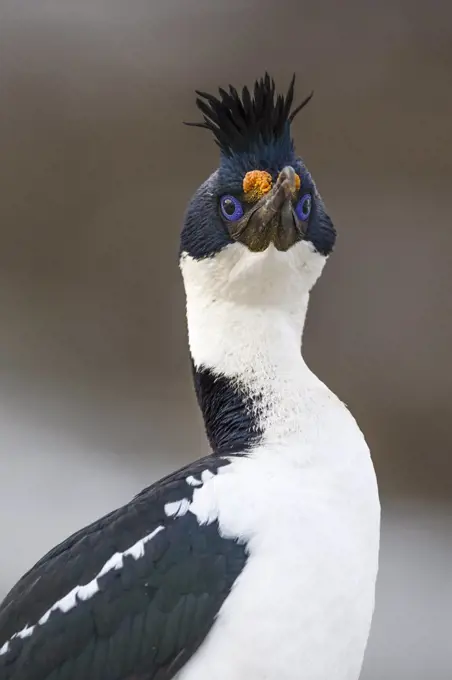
[254,340]
[241,341]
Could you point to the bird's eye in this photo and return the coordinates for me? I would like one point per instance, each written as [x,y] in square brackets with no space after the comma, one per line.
[303,207]
[231,208]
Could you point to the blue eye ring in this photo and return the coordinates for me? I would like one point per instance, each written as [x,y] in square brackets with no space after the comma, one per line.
[231,208]
[304,207]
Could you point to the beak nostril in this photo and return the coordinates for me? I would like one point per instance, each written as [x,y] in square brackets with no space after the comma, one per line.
[291,178]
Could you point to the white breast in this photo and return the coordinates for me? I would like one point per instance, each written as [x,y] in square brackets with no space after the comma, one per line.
[302,607]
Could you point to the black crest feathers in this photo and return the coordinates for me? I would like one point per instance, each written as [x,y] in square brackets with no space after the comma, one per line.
[240,121]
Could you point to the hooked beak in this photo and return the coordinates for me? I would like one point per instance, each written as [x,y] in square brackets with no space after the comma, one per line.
[272,219]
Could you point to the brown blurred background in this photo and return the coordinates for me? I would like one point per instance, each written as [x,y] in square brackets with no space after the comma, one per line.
[95,173]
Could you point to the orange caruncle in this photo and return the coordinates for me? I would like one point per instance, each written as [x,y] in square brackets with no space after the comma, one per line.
[256,183]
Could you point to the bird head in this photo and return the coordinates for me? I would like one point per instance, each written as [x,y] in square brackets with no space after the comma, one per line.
[257,227]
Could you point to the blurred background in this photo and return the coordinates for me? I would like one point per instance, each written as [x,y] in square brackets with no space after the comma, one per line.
[96,169]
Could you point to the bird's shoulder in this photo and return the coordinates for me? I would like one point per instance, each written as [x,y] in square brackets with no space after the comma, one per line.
[139,587]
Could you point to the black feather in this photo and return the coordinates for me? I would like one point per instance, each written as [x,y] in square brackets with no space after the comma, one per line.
[146,618]
[238,122]
[301,106]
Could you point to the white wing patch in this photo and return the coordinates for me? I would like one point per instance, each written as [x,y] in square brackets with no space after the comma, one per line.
[177,508]
[192,481]
[85,592]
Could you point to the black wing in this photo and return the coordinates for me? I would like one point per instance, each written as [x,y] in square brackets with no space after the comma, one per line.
[140,614]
